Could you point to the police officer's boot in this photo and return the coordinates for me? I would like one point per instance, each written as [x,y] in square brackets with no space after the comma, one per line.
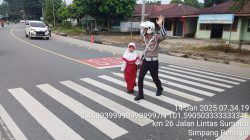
[138,97]
[159,92]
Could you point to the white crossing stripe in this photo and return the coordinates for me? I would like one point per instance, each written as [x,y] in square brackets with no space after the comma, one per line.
[191,83]
[203,76]
[208,73]
[125,95]
[103,124]
[14,129]
[197,79]
[237,132]
[202,92]
[169,90]
[107,67]
[149,93]
[242,77]
[57,128]
[121,110]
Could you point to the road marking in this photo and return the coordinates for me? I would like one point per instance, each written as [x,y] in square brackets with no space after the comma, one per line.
[197,79]
[204,76]
[12,126]
[202,92]
[169,90]
[107,67]
[57,128]
[180,86]
[243,77]
[121,110]
[208,73]
[191,83]
[103,124]
[149,93]
[105,62]
[124,95]
[46,50]
[237,132]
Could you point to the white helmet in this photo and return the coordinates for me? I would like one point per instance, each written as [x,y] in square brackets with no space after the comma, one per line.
[149,25]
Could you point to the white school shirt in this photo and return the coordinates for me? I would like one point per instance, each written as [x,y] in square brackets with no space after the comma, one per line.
[129,57]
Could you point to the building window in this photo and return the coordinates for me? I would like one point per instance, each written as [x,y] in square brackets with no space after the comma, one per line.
[205,27]
[234,26]
[248,27]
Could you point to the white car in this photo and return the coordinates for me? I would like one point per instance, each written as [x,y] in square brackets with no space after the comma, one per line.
[36,29]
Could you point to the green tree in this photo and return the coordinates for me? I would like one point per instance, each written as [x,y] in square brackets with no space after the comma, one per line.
[14,8]
[239,4]
[177,1]
[193,3]
[118,8]
[105,8]
[123,8]
[201,5]
[33,9]
[209,3]
[25,9]
[157,2]
[73,10]
[3,9]
[51,9]
[63,14]
[87,6]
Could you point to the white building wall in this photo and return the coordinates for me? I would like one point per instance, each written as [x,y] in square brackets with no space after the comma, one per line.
[126,26]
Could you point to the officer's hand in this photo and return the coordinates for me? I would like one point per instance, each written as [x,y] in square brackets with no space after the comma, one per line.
[159,21]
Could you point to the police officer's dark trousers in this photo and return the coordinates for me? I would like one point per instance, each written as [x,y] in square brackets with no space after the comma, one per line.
[152,67]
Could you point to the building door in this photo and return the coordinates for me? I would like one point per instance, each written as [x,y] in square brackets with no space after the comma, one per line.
[178,28]
[216,31]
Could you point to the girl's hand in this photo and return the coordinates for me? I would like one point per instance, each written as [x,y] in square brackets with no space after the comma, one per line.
[160,20]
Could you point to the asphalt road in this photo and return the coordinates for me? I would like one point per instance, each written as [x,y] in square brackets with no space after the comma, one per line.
[48,92]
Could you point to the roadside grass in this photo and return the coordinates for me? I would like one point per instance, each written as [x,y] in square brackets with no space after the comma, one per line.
[72,31]
[222,48]
[214,53]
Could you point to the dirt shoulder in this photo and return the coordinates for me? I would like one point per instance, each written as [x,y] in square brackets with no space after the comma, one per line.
[207,50]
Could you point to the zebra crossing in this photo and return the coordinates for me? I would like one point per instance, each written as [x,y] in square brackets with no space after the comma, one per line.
[16,132]
[186,85]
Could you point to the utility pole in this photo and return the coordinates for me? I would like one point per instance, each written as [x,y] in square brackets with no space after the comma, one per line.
[142,14]
[54,13]
[42,11]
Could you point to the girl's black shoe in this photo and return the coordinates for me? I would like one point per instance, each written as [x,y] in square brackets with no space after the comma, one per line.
[130,91]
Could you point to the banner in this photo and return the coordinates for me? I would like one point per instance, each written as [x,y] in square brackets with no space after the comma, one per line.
[216,19]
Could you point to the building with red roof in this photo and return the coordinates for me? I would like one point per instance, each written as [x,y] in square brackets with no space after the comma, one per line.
[151,9]
[176,21]
[134,22]
[220,21]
